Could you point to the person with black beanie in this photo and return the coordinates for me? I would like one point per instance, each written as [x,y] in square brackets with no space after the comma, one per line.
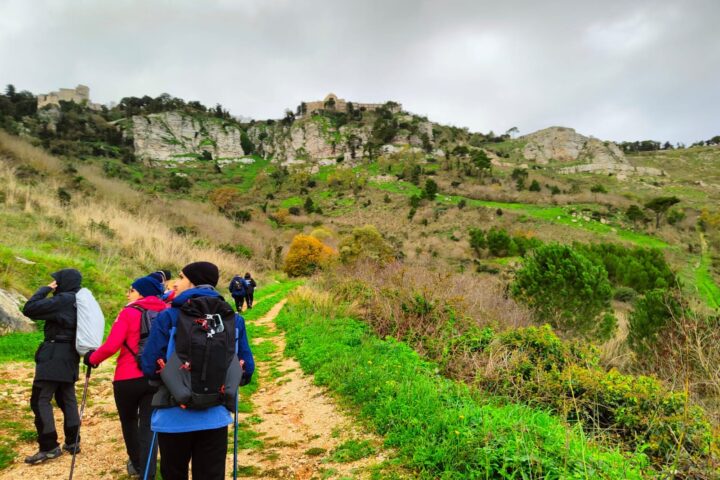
[186,434]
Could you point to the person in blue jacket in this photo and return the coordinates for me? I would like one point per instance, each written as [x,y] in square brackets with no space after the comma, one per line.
[188,434]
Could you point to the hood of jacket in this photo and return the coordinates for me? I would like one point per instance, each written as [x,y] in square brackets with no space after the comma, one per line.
[199,291]
[150,303]
[68,280]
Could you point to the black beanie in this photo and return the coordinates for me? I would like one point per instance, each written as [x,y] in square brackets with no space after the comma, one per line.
[202,273]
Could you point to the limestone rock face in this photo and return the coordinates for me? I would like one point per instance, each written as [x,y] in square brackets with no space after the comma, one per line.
[180,137]
[308,141]
[11,318]
[563,144]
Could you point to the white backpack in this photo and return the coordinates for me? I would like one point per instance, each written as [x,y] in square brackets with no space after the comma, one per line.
[90,322]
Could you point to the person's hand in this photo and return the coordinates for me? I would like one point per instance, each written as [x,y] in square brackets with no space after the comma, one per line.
[53,285]
[86,360]
[242,364]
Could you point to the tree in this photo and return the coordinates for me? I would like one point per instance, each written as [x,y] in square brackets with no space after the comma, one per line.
[430,190]
[10,91]
[566,289]
[651,313]
[309,205]
[499,242]
[519,175]
[660,206]
[247,145]
[477,240]
[598,188]
[635,214]
[307,255]
[534,186]
[482,162]
[512,132]
[365,243]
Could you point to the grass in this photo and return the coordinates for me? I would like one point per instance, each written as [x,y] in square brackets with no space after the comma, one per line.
[439,428]
[553,214]
[705,284]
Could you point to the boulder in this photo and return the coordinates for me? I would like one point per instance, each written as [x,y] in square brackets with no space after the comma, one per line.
[11,318]
[562,144]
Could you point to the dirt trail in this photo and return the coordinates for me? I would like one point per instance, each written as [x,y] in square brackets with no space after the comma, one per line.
[296,417]
[291,416]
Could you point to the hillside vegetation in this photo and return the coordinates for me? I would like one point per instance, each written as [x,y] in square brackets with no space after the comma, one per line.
[488,312]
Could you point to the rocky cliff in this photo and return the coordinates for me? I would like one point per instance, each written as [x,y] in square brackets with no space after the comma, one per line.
[561,144]
[177,136]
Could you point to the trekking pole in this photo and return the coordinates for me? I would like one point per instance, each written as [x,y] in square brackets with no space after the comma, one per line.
[235,436]
[88,369]
[150,456]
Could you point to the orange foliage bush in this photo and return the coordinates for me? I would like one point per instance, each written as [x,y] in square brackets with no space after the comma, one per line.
[306,255]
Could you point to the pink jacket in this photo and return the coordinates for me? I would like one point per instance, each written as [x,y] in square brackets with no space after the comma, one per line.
[126,329]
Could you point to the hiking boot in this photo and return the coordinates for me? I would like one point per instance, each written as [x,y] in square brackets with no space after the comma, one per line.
[72,448]
[41,456]
[131,470]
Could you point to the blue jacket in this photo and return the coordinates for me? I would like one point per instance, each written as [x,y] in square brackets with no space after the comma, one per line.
[238,286]
[176,419]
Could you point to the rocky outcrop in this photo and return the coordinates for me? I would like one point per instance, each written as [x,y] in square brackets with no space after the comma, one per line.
[561,144]
[309,140]
[11,319]
[615,168]
[180,137]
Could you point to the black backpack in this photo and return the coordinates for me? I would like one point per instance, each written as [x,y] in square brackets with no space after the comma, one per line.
[146,319]
[203,371]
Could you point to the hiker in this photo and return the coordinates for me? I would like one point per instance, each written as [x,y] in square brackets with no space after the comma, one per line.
[133,392]
[56,364]
[249,289]
[238,290]
[197,434]
[164,277]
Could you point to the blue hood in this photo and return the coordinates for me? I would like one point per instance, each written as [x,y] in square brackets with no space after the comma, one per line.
[200,291]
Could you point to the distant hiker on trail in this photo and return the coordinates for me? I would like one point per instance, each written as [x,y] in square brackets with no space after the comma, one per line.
[199,385]
[249,289]
[164,277]
[133,392]
[56,364]
[238,289]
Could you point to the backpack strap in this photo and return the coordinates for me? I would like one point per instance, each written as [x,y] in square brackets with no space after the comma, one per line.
[142,311]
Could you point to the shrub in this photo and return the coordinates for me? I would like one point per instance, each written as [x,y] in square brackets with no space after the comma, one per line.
[499,243]
[477,240]
[365,243]
[306,255]
[624,294]
[652,312]
[564,288]
[598,188]
[430,190]
[534,186]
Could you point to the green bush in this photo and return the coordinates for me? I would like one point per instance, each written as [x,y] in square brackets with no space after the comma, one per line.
[652,312]
[624,294]
[565,289]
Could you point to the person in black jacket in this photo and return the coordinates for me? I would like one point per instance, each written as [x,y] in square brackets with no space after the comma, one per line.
[56,364]
[238,290]
[249,289]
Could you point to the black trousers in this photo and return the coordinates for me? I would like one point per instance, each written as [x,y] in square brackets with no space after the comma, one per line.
[133,398]
[64,392]
[239,303]
[206,448]
[249,298]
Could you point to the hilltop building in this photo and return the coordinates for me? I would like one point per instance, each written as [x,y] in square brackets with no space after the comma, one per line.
[79,94]
[333,103]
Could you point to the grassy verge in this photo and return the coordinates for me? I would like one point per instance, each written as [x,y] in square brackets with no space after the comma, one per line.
[554,214]
[439,428]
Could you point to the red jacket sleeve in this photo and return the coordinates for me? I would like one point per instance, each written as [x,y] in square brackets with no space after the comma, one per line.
[118,335]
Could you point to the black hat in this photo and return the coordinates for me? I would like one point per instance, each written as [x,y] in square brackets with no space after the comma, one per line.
[202,273]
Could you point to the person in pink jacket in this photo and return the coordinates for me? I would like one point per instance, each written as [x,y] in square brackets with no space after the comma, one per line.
[133,393]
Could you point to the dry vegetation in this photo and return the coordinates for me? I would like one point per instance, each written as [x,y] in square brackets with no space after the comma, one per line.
[113,212]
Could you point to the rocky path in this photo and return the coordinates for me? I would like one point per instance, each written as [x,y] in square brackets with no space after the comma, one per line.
[290,432]
[297,423]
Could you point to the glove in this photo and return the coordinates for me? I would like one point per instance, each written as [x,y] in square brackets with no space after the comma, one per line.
[86,359]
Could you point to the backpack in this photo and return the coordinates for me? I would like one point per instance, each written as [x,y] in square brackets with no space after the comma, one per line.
[239,287]
[146,319]
[90,322]
[203,371]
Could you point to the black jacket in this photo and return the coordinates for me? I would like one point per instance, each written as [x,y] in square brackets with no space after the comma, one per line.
[56,359]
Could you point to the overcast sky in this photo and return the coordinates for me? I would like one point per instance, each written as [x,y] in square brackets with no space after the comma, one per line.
[617,70]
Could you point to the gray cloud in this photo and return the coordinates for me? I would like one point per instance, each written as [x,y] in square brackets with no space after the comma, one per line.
[616,70]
